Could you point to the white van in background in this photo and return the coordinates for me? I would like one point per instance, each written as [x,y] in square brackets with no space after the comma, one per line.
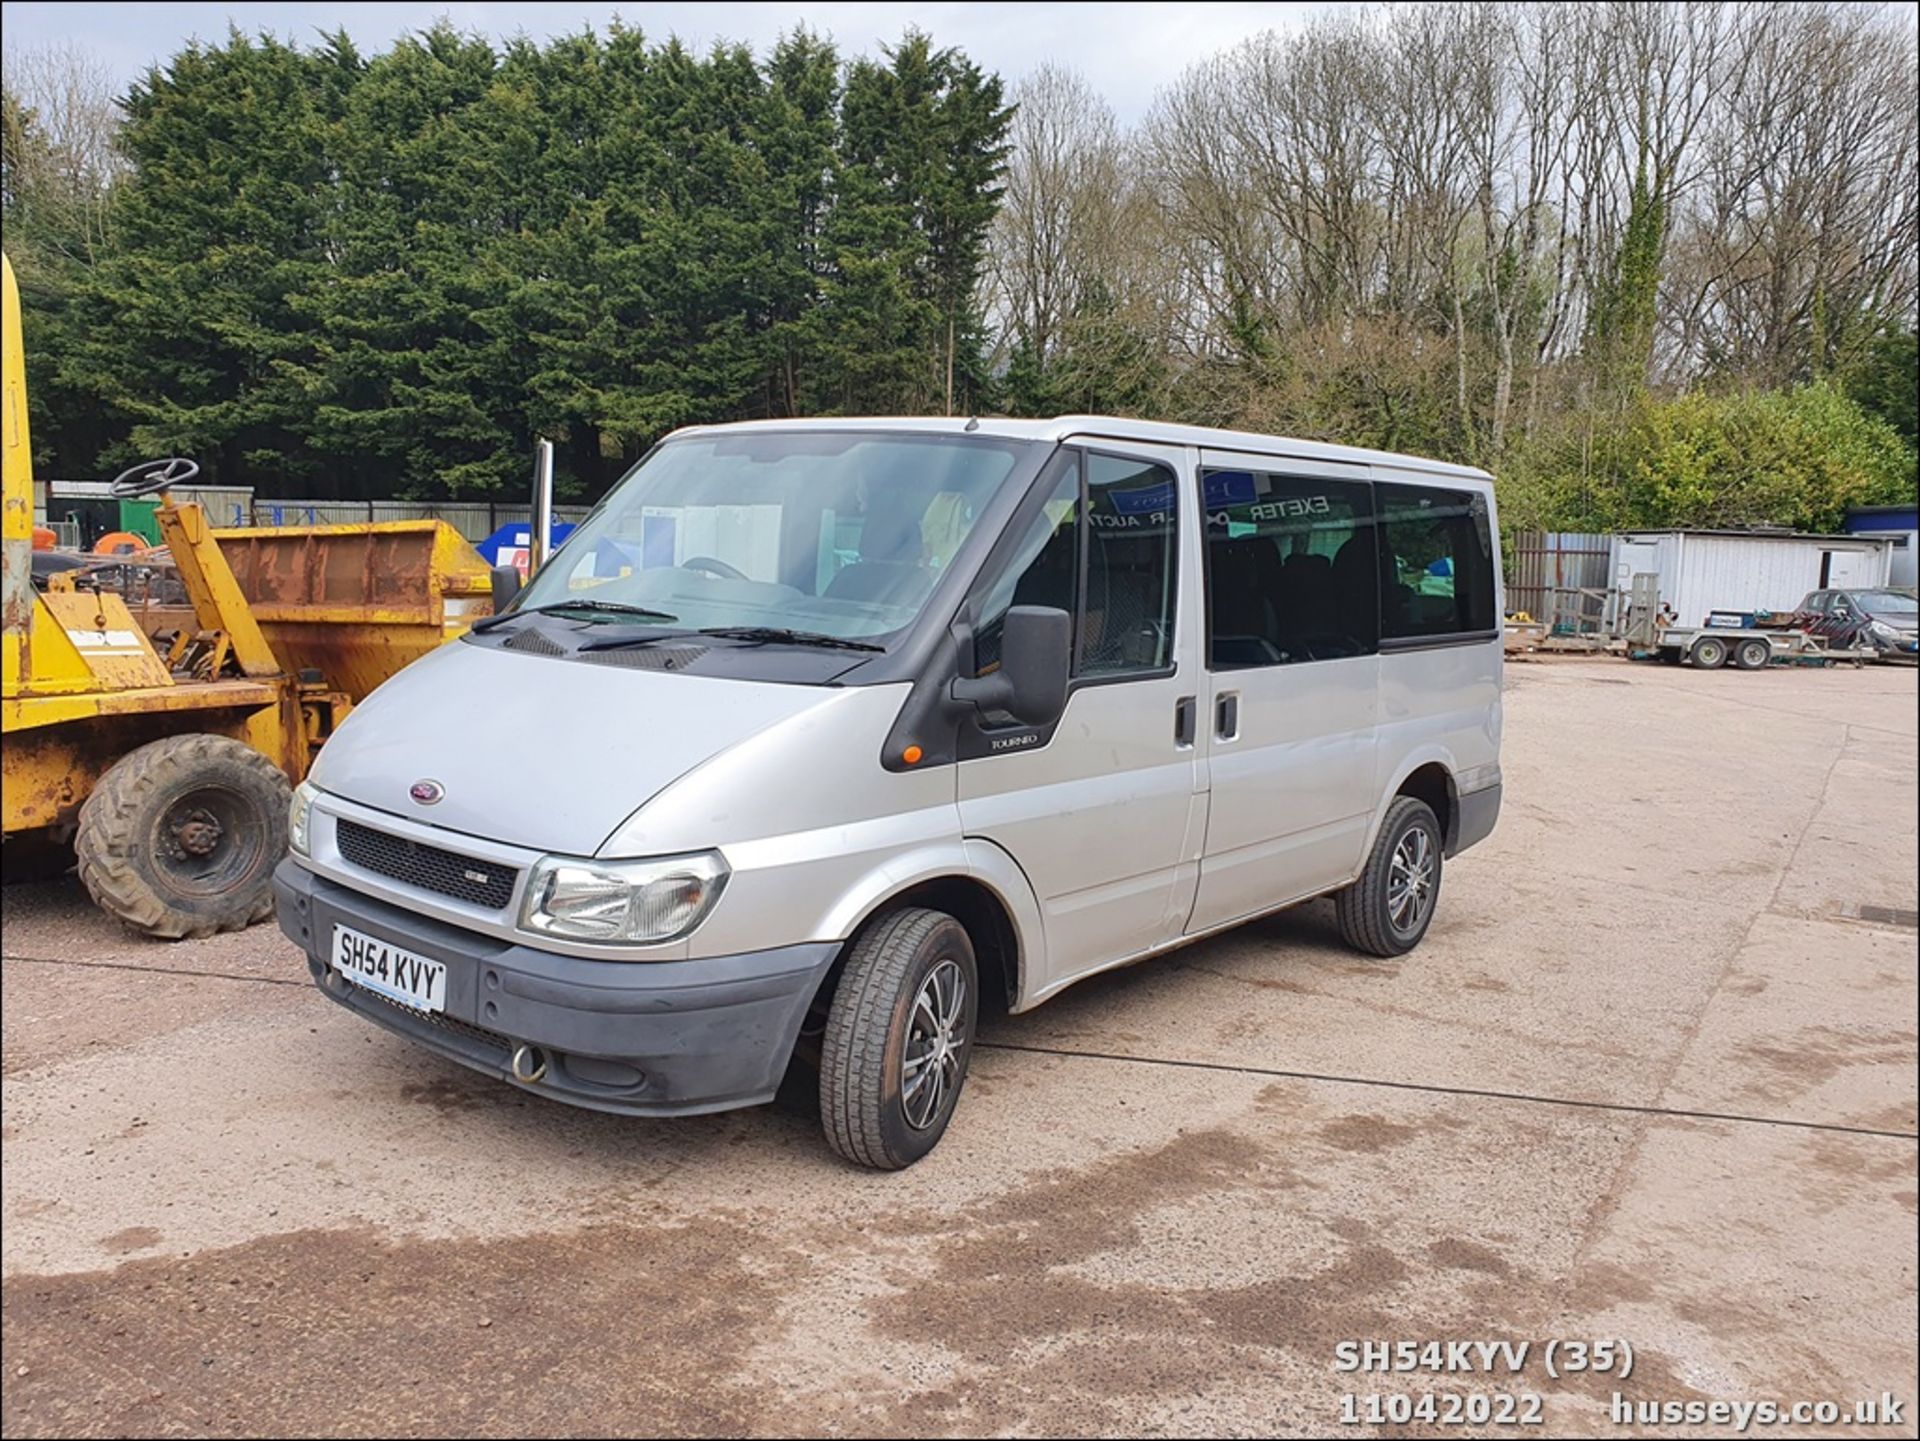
[816,732]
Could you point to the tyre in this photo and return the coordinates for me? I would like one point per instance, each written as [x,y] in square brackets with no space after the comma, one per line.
[1388,909]
[1709,652]
[1671,655]
[898,1038]
[1752,654]
[181,836]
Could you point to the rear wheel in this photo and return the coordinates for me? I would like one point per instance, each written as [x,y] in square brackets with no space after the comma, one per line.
[1388,909]
[1709,652]
[898,1038]
[1752,655]
[181,836]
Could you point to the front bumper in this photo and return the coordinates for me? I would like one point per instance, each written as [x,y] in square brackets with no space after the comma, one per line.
[1903,647]
[645,1038]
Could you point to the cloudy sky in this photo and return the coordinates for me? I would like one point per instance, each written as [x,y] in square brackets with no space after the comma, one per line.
[1125,50]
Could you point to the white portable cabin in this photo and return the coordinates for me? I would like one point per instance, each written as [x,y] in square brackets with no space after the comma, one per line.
[1708,570]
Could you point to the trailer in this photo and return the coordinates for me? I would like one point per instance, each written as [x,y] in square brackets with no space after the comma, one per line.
[1746,647]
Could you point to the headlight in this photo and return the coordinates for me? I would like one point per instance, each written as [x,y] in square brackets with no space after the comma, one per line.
[1881,629]
[631,902]
[298,816]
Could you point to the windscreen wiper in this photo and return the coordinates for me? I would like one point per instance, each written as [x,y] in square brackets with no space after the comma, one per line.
[611,607]
[783,636]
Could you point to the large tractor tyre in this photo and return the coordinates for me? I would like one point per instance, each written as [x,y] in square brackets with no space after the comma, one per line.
[898,1038]
[181,836]
[1388,909]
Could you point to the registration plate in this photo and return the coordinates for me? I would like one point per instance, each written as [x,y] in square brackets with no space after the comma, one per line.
[389,971]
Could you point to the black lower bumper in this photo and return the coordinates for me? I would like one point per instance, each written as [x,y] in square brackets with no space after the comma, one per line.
[647,1038]
[1478,811]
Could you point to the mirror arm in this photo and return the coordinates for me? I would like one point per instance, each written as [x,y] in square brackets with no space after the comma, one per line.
[987,692]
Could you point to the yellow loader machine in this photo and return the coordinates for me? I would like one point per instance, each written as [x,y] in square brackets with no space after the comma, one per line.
[162,742]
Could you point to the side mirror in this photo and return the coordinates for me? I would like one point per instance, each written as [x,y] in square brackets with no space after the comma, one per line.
[506,585]
[1036,652]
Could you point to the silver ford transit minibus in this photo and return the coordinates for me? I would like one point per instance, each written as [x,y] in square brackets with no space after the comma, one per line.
[817,736]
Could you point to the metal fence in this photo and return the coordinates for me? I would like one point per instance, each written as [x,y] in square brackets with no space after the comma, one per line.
[1561,578]
[476,520]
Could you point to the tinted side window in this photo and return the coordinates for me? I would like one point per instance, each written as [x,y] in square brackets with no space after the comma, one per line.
[1436,562]
[1043,570]
[1114,575]
[1292,569]
[1127,623]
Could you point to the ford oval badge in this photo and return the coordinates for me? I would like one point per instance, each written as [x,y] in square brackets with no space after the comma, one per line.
[426,792]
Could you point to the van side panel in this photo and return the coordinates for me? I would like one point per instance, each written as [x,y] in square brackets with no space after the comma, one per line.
[1290,751]
[1442,703]
[1293,790]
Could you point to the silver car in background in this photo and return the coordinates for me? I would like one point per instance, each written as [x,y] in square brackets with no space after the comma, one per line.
[817,736]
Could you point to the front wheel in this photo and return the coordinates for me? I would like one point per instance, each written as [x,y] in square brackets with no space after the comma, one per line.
[898,1038]
[1388,909]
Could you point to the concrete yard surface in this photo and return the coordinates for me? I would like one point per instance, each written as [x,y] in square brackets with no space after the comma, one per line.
[1651,1077]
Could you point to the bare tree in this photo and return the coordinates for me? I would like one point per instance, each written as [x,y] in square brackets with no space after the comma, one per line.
[1471,215]
[1220,243]
[61,162]
[1056,227]
[1802,240]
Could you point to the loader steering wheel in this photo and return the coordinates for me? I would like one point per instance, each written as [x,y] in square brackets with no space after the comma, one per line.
[150,477]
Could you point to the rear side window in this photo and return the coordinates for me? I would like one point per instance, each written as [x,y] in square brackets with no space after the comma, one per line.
[1292,569]
[1436,562]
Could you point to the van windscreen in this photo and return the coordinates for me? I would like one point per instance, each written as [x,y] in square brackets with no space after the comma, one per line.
[840,533]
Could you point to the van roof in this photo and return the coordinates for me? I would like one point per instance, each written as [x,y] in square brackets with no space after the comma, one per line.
[1115,427]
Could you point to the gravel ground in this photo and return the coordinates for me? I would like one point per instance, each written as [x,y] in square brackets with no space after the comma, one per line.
[1651,1077]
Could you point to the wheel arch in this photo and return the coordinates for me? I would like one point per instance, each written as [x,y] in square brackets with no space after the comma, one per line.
[983,889]
[1428,775]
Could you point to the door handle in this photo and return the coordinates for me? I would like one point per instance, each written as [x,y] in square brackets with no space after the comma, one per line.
[1186,716]
[1226,716]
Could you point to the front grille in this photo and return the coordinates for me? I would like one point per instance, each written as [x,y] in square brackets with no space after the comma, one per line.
[440,1021]
[480,883]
